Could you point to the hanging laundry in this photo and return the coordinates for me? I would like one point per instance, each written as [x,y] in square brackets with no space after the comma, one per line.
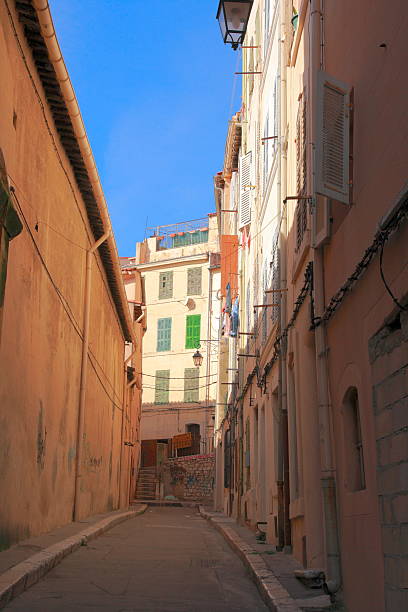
[228,300]
[235,318]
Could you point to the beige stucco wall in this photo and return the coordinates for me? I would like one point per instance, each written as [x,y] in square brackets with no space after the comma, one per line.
[158,421]
[40,352]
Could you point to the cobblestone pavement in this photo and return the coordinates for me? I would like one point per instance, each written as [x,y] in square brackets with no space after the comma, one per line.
[168,559]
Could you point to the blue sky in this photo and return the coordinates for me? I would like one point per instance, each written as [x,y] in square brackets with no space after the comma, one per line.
[155,85]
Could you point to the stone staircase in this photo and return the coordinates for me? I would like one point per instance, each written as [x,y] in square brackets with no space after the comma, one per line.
[146,483]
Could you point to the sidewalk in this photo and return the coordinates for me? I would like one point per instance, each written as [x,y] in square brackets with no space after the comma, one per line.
[25,563]
[272,571]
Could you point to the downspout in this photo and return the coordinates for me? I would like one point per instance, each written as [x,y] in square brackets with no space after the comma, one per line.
[328,472]
[122,429]
[282,192]
[208,364]
[84,372]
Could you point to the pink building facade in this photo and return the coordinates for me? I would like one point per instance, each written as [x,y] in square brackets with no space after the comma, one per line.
[313,438]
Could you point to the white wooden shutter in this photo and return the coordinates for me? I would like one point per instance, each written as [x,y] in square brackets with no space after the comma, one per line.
[332,138]
[245,189]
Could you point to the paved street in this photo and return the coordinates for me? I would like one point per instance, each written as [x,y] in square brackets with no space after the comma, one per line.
[168,559]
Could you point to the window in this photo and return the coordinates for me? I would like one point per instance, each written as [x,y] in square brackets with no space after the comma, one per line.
[193,324]
[161,387]
[194,281]
[355,473]
[227,459]
[193,428]
[191,380]
[333,138]
[165,285]
[164,334]
[246,169]
[301,172]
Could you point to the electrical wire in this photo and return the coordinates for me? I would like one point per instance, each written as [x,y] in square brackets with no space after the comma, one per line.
[400,306]
[174,377]
[64,302]
[191,389]
[39,221]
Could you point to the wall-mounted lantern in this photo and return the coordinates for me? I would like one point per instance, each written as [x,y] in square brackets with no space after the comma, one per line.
[197,358]
[233,19]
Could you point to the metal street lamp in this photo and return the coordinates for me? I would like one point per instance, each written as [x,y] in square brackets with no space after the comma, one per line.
[197,358]
[233,19]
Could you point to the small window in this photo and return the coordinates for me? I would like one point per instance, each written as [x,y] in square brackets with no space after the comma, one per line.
[355,473]
[194,276]
[161,387]
[165,285]
[193,325]
[193,428]
[164,334]
[191,380]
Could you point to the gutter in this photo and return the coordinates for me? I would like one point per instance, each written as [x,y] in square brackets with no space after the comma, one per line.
[55,57]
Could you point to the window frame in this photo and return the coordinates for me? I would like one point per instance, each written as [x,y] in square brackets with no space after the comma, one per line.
[165,292]
[191,338]
[161,328]
[191,392]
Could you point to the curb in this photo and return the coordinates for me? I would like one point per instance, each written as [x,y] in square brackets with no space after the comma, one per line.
[273,593]
[23,575]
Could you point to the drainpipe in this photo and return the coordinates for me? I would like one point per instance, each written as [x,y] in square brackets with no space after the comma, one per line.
[122,428]
[208,364]
[328,473]
[282,192]
[84,372]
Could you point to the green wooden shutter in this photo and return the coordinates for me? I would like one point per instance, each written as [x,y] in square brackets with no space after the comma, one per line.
[161,390]
[165,285]
[191,380]
[193,325]
[164,334]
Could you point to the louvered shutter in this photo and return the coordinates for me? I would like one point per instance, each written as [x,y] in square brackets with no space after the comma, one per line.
[164,334]
[194,281]
[161,391]
[333,138]
[165,285]
[191,380]
[193,325]
[245,189]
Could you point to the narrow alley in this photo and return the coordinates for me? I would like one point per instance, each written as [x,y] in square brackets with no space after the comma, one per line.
[168,559]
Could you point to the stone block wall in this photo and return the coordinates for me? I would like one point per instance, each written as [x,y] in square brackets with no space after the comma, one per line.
[189,478]
[388,351]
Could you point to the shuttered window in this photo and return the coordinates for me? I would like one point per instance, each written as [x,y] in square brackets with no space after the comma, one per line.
[191,381]
[164,334]
[165,285]
[161,387]
[194,281]
[245,189]
[193,324]
[333,138]
[301,171]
